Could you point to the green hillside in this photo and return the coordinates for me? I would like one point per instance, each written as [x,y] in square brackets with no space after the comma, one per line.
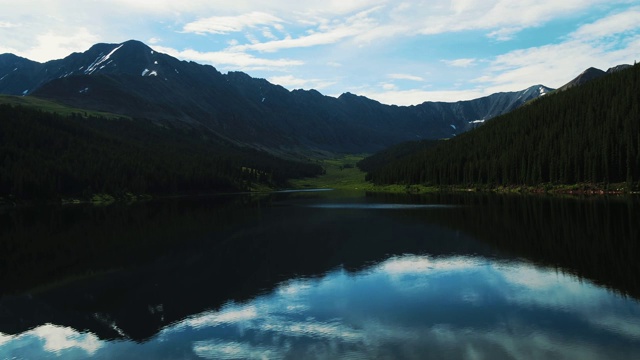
[588,134]
[46,155]
[52,107]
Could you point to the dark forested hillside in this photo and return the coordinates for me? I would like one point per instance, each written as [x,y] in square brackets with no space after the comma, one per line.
[45,155]
[395,153]
[589,133]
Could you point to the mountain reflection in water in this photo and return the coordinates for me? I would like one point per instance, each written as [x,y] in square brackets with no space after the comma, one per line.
[320,276]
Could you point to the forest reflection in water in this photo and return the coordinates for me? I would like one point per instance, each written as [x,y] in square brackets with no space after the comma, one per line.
[280,275]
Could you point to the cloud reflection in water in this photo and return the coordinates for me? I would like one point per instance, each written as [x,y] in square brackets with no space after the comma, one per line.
[52,339]
[405,307]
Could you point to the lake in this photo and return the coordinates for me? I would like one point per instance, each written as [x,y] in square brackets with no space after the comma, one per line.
[323,275]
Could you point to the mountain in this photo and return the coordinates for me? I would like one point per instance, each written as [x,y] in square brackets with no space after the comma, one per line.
[134,80]
[586,134]
[591,74]
[586,76]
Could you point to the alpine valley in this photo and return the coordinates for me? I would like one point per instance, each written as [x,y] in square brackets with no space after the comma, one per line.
[179,127]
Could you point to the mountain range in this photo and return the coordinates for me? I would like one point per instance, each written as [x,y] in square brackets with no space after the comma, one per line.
[134,80]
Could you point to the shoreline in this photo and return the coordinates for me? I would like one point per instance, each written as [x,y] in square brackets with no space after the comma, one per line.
[541,189]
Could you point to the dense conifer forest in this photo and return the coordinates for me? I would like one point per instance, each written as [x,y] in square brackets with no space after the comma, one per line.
[45,155]
[588,134]
[395,153]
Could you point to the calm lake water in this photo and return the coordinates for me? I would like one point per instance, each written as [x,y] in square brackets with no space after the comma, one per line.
[323,275]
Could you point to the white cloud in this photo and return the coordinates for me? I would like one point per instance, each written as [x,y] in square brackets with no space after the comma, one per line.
[59,338]
[556,64]
[292,82]
[305,41]
[6,24]
[229,24]
[306,8]
[218,349]
[8,50]
[389,87]
[53,339]
[315,329]
[267,33]
[57,45]
[325,34]
[504,34]
[627,327]
[418,96]
[231,314]
[405,77]
[5,338]
[503,18]
[410,265]
[609,26]
[238,59]
[463,63]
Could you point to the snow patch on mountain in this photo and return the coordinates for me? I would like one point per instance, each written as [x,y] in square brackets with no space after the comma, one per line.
[147,72]
[99,60]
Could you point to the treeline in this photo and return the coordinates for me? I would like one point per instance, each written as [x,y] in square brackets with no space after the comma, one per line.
[589,134]
[45,155]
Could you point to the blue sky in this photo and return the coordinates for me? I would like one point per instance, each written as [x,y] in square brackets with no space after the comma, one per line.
[397,52]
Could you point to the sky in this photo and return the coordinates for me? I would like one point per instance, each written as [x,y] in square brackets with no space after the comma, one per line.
[396,52]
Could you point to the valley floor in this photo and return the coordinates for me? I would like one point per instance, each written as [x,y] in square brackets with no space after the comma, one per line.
[343,174]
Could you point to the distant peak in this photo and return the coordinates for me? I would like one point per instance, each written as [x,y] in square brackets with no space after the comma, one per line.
[584,77]
[618,68]
[130,44]
[135,43]
[347,95]
[592,69]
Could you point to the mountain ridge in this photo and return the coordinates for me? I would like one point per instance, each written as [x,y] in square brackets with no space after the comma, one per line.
[591,74]
[132,79]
